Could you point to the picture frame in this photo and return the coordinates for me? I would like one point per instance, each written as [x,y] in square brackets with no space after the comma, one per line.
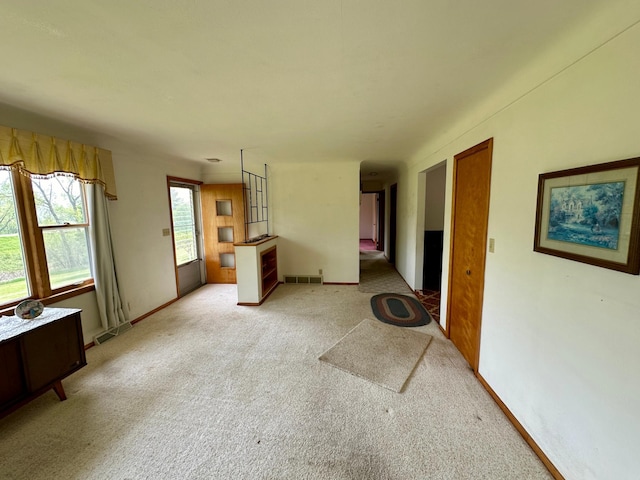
[591,214]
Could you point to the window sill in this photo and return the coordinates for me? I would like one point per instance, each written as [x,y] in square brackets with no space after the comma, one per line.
[57,297]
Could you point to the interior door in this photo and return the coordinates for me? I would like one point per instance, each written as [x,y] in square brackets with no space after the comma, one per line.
[223,224]
[185,217]
[471,187]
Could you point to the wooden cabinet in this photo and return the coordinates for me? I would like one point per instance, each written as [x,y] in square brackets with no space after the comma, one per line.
[37,354]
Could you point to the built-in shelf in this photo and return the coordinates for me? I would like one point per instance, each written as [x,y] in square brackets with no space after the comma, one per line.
[269,266]
[257,269]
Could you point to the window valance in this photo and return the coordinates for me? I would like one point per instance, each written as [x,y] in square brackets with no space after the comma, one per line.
[39,155]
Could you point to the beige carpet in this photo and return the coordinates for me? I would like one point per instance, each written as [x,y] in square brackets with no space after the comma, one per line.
[205,389]
[377,275]
[383,354]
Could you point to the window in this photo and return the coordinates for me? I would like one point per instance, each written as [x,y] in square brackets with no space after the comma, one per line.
[44,238]
[13,277]
[184,224]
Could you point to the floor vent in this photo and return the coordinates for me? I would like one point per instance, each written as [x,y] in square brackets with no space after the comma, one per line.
[303,279]
[112,332]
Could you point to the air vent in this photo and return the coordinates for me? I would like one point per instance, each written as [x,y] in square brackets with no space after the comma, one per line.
[112,332]
[303,279]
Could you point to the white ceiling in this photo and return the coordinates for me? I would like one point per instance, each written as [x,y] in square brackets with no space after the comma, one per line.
[367,80]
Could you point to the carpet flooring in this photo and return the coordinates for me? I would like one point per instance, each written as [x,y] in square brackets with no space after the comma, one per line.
[377,275]
[367,244]
[204,389]
[380,353]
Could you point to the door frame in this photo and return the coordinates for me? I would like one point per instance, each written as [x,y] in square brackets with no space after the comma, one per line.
[195,184]
[393,222]
[380,199]
[487,144]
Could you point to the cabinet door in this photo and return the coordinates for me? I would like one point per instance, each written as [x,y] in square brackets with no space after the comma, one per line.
[12,384]
[52,352]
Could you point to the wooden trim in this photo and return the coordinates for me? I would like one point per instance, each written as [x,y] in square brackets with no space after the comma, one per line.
[66,294]
[521,430]
[155,310]
[58,297]
[183,180]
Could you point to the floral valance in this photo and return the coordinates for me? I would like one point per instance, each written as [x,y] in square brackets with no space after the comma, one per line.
[44,156]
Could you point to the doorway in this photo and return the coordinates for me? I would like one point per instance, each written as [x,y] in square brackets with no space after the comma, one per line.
[185,227]
[429,239]
[470,215]
[372,221]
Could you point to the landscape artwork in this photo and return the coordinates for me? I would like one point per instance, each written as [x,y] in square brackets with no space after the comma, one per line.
[586,214]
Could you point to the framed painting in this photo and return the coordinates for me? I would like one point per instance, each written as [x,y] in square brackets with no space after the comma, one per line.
[592,215]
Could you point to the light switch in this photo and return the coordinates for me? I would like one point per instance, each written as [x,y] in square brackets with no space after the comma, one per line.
[492,245]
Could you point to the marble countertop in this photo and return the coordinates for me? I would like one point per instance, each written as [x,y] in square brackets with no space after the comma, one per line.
[13,326]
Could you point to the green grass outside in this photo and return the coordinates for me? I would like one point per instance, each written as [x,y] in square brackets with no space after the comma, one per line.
[13,290]
[11,261]
[10,253]
[17,289]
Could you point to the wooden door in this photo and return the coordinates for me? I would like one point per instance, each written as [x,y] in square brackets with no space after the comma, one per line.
[222,225]
[471,188]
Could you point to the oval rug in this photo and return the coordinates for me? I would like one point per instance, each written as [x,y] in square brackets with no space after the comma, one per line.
[399,310]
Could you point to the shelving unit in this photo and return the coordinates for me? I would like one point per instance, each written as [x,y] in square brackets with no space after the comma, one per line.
[257,270]
[269,268]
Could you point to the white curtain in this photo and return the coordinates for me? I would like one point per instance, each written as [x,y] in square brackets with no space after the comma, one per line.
[113,311]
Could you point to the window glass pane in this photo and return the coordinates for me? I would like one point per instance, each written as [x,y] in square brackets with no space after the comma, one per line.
[58,200]
[67,252]
[184,225]
[13,282]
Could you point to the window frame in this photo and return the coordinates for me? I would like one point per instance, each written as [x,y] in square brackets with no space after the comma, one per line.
[31,236]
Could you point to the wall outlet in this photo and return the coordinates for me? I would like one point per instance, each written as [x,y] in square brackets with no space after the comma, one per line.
[319,271]
[166,232]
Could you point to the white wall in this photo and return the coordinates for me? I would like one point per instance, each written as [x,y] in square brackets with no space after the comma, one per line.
[559,338]
[314,209]
[143,256]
